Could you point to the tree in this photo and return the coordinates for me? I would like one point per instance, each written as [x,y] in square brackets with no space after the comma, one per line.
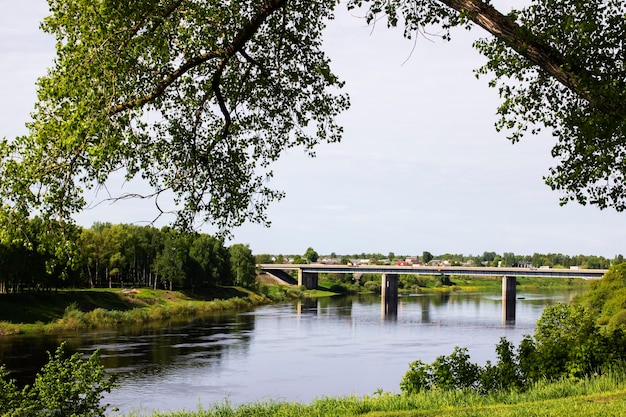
[311,255]
[172,263]
[426,257]
[212,259]
[243,266]
[198,99]
[508,259]
[195,98]
[558,64]
[264,258]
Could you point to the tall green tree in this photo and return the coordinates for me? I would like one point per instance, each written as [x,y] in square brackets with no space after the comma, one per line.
[243,265]
[426,257]
[199,98]
[311,255]
[212,259]
[173,262]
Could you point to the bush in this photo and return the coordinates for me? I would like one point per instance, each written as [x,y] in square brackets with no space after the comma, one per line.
[11,398]
[568,342]
[447,372]
[417,379]
[65,387]
[373,286]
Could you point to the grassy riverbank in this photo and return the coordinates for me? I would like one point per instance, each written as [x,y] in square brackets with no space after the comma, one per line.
[67,310]
[601,396]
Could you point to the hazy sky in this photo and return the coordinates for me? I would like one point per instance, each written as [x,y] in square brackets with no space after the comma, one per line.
[420,167]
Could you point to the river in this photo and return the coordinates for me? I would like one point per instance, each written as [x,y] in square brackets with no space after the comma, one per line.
[293,351]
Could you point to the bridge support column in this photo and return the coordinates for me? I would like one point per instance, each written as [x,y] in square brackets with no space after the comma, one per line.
[509,293]
[308,279]
[389,295]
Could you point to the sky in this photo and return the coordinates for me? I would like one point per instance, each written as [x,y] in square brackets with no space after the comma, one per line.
[420,166]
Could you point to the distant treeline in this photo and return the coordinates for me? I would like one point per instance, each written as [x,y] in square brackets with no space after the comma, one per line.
[486,259]
[107,255]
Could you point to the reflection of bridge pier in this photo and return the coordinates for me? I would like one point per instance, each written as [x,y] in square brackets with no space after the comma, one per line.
[509,293]
[389,296]
[307,305]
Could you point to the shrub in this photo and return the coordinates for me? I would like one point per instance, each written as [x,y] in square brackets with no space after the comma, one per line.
[568,342]
[418,378]
[506,374]
[65,387]
[373,286]
[11,398]
[454,371]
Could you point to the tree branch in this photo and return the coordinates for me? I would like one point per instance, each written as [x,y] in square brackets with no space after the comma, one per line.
[225,53]
[536,51]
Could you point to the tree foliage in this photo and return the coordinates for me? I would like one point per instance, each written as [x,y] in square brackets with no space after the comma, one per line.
[557,64]
[311,255]
[67,386]
[570,341]
[243,266]
[196,98]
[607,298]
[199,98]
[119,255]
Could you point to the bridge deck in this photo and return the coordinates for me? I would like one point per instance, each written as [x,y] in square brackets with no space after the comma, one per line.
[442,270]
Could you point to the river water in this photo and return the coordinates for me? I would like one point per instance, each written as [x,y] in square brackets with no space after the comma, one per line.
[293,352]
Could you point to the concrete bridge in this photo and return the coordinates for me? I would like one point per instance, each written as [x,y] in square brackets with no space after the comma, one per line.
[308,277]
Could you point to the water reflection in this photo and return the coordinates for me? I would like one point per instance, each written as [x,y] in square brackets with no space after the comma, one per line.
[389,308]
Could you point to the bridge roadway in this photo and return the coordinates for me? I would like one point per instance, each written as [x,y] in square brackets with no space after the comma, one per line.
[440,270]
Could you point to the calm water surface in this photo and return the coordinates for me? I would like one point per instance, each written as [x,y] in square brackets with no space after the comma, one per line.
[291,352]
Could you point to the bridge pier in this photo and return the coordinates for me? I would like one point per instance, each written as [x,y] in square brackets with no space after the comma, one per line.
[389,295]
[308,279]
[509,294]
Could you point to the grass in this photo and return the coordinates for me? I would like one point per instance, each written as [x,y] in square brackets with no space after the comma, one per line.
[87,309]
[598,396]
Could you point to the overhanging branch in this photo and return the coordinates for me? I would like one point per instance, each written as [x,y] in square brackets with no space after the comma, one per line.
[522,41]
[225,53]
